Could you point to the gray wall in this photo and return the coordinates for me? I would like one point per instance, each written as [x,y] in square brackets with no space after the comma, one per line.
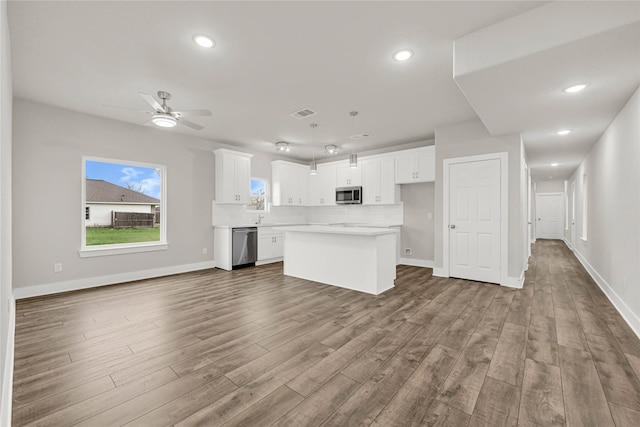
[549,186]
[418,229]
[47,160]
[612,248]
[5,208]
[469,139]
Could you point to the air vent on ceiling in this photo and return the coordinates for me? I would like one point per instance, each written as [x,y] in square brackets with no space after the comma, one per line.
[360,136]
[304,113]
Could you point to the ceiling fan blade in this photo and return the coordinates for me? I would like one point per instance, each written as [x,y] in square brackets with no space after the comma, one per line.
[191,113]
[127,108]
[190,124]
[152,101]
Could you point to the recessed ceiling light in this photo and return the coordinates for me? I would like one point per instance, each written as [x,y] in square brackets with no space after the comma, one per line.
[575,88]
[203,41]
[555,164]
[564,132]
[403,55]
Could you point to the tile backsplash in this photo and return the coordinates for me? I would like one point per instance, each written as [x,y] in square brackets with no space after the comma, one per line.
[238,214]
[358,214]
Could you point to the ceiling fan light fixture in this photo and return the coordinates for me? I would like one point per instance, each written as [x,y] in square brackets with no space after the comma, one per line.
[331,149]
[282,146]
[164,120]
[576,88]
[203,41]
[403,55]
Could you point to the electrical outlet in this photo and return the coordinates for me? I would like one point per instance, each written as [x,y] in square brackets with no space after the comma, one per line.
[204,251]
[57,267]
[407,251]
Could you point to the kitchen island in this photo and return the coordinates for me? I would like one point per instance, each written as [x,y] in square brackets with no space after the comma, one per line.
[358,258]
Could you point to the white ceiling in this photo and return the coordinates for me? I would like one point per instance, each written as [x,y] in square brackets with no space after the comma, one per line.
[273,58]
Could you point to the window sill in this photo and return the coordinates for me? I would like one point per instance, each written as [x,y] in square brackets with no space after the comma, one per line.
[106,250]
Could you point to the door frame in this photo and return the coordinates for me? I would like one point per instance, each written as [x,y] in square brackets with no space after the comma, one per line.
[504,209]
[553,193]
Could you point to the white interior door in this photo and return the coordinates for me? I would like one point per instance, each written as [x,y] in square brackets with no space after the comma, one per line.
[549,210]
[474,220]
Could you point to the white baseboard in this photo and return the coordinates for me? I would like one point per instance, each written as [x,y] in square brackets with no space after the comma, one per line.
[439,272]
[629,316]
[428,263]
[514,282]
[568,243]
[7,383]
[92,282]
[269,261]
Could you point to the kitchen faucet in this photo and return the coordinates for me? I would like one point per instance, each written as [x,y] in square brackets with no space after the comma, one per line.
[260,217]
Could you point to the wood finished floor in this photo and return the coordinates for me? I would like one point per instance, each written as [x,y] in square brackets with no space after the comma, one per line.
[255,348]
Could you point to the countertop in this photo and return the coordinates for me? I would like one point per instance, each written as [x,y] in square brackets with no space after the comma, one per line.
[323,224]
[355,231]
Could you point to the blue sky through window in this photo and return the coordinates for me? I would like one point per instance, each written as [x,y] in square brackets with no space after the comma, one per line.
[137,178]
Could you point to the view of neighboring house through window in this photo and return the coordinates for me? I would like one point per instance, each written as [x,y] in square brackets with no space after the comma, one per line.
[123,203]
[258,197]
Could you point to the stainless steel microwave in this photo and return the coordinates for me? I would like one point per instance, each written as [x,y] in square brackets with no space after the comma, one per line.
[349,195]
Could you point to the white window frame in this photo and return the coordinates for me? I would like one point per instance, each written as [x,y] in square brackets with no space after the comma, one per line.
[266,195]
[123,248]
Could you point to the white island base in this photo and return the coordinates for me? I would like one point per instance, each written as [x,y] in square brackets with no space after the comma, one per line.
[362,259]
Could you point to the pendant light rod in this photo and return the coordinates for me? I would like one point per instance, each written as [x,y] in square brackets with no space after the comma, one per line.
[353,158]
[313,167]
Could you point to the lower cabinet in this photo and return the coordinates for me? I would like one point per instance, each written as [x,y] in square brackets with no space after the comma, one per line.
[270,244]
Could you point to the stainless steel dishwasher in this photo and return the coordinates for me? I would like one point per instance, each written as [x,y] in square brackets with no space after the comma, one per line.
[244,247]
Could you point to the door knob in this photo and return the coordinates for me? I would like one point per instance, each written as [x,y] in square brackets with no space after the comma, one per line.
[452,226]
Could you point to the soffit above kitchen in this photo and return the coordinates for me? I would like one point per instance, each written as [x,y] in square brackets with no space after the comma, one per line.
[269,60]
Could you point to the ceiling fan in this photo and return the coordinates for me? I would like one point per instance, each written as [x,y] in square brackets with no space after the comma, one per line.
[164,116]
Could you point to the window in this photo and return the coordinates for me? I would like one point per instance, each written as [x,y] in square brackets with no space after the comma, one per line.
[258,196]
[124,207]
[585,210]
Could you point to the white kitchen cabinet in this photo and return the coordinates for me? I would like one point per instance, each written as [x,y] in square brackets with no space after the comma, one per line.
[322,186]
[347,176]
[378,183]
[416,165]
[233,176]
[270,244]
[289,183]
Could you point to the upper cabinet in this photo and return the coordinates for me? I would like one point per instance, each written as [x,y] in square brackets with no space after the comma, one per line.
[289,181]
[347,176]
[416,165]
[378,186]
[233,176]
[322,186]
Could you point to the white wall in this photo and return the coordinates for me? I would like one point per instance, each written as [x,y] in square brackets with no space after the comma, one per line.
[549,186]
[470,139]
[6,303]
[47,162]
[612,249]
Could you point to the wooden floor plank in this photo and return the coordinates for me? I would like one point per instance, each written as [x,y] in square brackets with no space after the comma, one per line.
[584,398]
[497,405]
[507,363]
[541,402]
[462,387]
[319,405]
